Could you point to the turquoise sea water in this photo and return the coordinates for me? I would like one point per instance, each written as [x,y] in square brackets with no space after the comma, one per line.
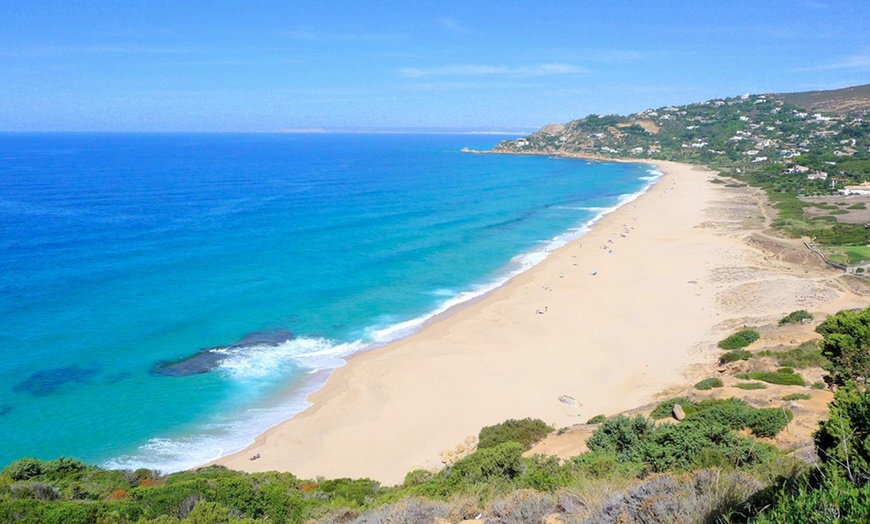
[118,252]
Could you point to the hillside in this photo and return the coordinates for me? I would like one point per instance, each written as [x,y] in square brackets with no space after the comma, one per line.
[775,141]
[837,101]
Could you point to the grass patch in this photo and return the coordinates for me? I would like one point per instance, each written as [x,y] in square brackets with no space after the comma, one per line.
[797,396]
[795,316]
[782,377]
[839,212]
[806,355]
[749,386]
[741,339]
[709,383]
[734,356]
[859,205]
[818,385]
[597,419]
[848,254]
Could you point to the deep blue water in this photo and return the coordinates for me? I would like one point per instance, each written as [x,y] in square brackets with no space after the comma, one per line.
[121,251]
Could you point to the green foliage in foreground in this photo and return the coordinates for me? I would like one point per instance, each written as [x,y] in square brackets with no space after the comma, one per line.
[524,432]
[846,344]
[795,316]
[738,340]
[709,383]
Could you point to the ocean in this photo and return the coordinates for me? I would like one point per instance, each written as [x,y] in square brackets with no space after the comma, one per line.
[167,297]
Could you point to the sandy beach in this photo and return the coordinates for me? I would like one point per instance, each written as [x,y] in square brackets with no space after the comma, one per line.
[605,324]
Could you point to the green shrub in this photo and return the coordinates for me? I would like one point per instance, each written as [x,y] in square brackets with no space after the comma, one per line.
[501,462]
[782,378]
[797,396]
[846,345]
[741,339]
[597,419]
[819,385]
[666,408]
[843,441]
[622,436]
[525,432]
[806,355]
[709,383]
[795,316]
[356,491]
[751,385]
[734,356]
[24,469]
[768,422]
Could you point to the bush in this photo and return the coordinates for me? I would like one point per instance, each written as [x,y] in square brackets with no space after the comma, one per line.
[666,408]
[622,436]
[806,355]
[734,356]
[795,316]
[781,377]
[597,419]
[797,396]
[819,385]
[709,383]
[846,345]
[501,462]
[741,339]
[749,386]
[525,432]
[843,441]
[24,469]
[768,422]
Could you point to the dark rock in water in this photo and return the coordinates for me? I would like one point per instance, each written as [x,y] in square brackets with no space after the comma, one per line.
[207,359]
[203,361]
[48,381]
[264,338]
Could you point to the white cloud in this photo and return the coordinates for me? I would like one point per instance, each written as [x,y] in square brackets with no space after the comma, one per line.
[489,70]
[854,62]
[451,25]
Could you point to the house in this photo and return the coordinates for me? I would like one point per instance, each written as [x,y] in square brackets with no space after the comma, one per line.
[861,189]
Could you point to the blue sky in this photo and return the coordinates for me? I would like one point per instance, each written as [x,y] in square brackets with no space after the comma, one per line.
[164,65]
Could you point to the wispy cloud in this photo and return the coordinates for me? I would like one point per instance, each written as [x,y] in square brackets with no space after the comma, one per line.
[490,70]
[452,26]
[853,62]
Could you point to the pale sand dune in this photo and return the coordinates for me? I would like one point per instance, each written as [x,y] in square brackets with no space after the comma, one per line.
[681,278]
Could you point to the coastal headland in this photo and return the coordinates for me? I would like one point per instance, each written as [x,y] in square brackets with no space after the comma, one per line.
[605,324]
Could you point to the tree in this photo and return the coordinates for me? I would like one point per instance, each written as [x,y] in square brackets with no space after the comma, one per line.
[846,344]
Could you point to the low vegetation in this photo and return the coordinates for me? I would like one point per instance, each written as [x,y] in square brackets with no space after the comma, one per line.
[524,432]
[782,377]
[796,396]
[806,355]
[734,356]
[709,383]
[739,340]
[750,386]
[597,419]
[795,317]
